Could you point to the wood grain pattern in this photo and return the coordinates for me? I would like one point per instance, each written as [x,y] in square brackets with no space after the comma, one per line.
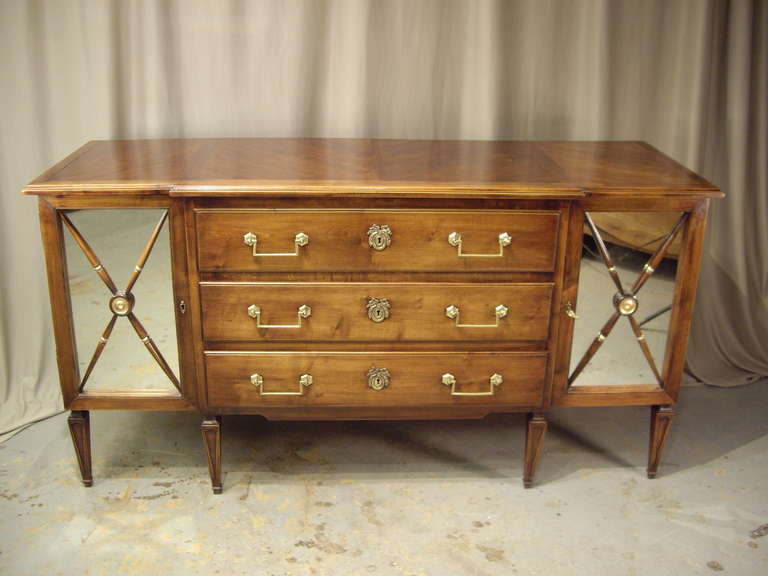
[340,379]
[51,231]
[216,190]
[339,311]
[360,166]
[686,281]
[338,240]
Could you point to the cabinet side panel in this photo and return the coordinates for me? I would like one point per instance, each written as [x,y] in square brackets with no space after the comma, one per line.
[685,294]
[61,307]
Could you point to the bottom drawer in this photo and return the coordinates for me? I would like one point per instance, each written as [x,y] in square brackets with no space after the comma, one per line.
[239,379]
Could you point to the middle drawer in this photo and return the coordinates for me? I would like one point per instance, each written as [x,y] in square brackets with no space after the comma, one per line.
[363,312]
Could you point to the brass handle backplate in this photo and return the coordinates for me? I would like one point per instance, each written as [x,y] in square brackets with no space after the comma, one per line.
[494,382]
[254,312]
[301,239]
[454,239]
[500,312]
[305,381]
[379,237]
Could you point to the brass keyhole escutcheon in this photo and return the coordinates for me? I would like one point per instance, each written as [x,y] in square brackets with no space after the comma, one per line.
[379,237]
[378,378]
[378,309]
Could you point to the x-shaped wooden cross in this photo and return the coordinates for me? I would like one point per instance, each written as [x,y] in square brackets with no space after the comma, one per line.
[625,301]
[122,301]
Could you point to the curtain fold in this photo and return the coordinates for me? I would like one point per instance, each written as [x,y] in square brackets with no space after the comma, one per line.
[687,76]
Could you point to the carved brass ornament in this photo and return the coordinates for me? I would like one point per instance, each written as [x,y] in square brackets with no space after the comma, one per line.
[379,237]
[305,381]
[378,309]
[499,312]
[454,239]
[254,312]
[378,378]
[251,239]
[494,382]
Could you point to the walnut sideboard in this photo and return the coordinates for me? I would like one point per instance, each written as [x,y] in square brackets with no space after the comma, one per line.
[369,279]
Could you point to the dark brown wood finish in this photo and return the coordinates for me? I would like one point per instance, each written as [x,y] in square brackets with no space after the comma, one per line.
[339,312]
[61,304]
[80,429]
[661,422]
[334,190]
[219,167]
[534,441]
[211,430]
[343,379]
[338,240]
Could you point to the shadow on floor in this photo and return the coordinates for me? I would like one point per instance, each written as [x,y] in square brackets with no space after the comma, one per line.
[710,423]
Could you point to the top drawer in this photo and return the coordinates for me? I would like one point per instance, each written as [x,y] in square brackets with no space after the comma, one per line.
[377,240]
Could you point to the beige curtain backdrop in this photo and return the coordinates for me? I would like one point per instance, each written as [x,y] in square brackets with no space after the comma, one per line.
[687,76]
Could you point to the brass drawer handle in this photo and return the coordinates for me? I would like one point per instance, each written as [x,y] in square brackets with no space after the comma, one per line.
[254,311]
[454,239]
[305,381]
[500,312]
[494,381]
[301,239]
[379,237]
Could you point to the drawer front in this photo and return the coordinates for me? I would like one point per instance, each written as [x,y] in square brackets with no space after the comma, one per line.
[363,312]
[374,379]
[337,240]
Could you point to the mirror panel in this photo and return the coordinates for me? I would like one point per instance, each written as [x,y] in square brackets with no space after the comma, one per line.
[631,241]
[140,352]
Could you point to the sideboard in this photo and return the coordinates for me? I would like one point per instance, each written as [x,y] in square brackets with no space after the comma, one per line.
[367,279]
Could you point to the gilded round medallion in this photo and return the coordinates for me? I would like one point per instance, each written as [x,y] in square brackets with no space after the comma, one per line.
[121,305]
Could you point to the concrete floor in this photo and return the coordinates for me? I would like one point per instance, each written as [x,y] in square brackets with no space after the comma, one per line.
[413,498]
[436,498]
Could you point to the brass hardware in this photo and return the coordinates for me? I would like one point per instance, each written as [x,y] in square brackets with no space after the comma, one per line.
[500,311]
[494,381]
[626,304]
[182,307]
[254,311]
[301,239]
[379,237]
[569,311]
[378,309]
[454,239]
[305,381]
[121,304]
[378,378]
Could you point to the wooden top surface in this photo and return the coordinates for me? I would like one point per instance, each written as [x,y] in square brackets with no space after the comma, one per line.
[251,166]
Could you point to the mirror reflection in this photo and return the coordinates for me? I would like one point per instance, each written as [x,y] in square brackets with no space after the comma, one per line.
[119,270]
[620,335]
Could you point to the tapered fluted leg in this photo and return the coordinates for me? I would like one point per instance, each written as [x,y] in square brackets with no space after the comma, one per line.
[661,420]
[80,428]
[534,440]
[211,429]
